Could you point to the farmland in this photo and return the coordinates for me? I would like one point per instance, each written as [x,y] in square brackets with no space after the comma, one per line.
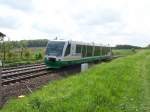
[124,52]
[22,52]
[119,86]
[27,56]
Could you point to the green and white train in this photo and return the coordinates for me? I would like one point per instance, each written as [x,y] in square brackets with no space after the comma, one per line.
[60,53]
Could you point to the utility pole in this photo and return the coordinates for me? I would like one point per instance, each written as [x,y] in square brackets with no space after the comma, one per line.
[1,40]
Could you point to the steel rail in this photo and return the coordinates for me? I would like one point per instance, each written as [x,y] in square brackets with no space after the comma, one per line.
[21,69]
[22,66]
[24,72]
[9,80]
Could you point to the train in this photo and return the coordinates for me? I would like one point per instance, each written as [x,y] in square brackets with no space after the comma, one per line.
[61,53]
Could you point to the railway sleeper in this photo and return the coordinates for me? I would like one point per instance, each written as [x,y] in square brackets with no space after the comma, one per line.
[27,68]
[22,72]
[20,78]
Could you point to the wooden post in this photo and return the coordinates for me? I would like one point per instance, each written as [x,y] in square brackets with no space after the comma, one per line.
[4,48]
[1,40]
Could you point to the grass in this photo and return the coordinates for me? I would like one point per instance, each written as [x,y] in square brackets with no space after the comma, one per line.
[15,58]
[122,85]
[124,52]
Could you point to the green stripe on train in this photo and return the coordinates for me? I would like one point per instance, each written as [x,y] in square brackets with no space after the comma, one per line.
[59,64]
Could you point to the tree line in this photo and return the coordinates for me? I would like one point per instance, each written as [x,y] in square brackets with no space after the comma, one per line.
[126,47]
[43,43]
[27,43]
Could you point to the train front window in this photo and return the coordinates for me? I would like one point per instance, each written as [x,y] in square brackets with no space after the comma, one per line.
[55,48]
[68,50]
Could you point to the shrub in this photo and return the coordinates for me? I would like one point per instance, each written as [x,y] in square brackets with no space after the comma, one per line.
[38,56]
[10,55]
[27,54]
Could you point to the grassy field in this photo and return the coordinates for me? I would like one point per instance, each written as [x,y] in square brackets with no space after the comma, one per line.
[122,85]
[29,56]
[124,52]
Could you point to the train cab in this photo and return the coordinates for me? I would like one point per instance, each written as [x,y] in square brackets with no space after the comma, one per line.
[54,50]
[58,51]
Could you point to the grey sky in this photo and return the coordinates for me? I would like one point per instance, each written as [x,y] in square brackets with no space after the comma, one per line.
[9,22]
[25,5]
[102,21]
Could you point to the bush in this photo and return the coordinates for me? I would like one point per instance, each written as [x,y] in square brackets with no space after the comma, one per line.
[133,50]
[10,55]
[27,54]
[38,56]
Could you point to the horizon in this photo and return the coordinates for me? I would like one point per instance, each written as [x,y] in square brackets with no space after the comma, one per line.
[77,41]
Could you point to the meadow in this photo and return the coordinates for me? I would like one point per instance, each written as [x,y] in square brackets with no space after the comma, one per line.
[124,52]
[18,56]
[119,86]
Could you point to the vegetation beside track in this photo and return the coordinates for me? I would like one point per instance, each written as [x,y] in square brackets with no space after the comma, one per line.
[119,86]
[28,56]
[124,52]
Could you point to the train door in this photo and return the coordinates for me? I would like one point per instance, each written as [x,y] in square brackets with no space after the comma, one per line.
[84,51]
[73,49]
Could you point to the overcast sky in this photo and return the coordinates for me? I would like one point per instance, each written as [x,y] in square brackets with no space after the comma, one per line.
[102,21]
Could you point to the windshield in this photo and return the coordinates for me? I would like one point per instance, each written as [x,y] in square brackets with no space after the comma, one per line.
[55,48]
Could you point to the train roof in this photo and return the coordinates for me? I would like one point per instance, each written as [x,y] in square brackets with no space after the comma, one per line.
[80,42]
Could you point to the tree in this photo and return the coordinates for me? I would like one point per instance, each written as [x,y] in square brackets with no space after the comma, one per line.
[148,46]
[7,47]
[126,47]
[133,50]
[2,36]
[2,39]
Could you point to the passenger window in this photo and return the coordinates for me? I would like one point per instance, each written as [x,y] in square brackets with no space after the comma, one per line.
[68,50]
[78,48]
[89,51]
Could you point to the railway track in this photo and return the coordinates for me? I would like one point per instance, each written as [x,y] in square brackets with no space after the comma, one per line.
[13,75]
[22,66]
[18,74]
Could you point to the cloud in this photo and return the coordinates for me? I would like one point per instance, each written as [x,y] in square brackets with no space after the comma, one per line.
[99,17]
[103,21]
[24,5]
[51,31]
[9,22]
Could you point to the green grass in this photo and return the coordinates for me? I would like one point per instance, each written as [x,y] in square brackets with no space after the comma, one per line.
[122,85]
[16,58]
[124,52]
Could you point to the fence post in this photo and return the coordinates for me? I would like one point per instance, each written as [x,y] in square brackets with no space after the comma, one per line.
[1,41]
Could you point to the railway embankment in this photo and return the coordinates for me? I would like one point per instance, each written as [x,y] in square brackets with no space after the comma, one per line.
[121,85]
[26,79]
